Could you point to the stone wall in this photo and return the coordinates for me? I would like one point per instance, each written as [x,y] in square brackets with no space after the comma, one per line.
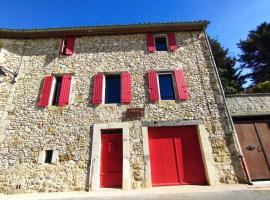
[27,129]
[249,104]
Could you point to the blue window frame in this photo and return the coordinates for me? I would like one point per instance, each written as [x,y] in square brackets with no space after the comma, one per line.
[166,87]
[112,89]
[161,44]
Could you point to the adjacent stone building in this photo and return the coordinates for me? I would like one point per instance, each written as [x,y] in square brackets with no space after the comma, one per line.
[60,127]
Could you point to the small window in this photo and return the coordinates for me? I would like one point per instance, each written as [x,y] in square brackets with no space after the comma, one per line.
[161,44]
[166,87]
[48,156]
[56,94]
[112,89]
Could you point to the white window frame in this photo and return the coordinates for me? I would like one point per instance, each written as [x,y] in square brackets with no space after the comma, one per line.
[174,85]
[162,35]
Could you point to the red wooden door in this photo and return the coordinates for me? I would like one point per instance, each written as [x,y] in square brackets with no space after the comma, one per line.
[111,159]
[253,139]
[175,156]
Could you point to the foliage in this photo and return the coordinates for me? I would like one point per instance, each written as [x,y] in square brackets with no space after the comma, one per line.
[229,75]
[260,88]
[255,55]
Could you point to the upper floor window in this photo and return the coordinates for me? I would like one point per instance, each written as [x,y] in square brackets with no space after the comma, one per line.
[166,86]
[161,42]
[67,46]
[55,90]
[109,88]
[112,89]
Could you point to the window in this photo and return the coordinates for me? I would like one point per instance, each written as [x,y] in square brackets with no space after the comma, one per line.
[112,89]
[67,46]
[55,90]
[56,94]
[48,156]
[161,43]
[166,87]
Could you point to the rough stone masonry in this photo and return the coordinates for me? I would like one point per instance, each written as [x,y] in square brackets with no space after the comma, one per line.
[26,129]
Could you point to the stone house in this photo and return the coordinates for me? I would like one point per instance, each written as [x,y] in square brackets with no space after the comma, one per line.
[130,106]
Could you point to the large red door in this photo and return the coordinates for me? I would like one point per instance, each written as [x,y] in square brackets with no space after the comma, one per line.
[175,156]
[111,159]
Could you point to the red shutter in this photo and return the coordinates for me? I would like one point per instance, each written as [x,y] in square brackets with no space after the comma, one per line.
[62,46]
[172,41]
[126,96]
[70,46]
[181,84]
[46,91]
[64,90]
[150,42]
[153,86]
[98,88]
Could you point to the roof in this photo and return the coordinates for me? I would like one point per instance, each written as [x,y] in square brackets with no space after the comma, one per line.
[103,30]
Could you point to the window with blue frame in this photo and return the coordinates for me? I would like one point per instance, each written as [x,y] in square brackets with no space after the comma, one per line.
[166,87]
[112,89]
[161,44]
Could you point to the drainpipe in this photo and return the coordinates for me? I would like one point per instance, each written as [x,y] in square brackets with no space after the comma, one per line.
[236,140]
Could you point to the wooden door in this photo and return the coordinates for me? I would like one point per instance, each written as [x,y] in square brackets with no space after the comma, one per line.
[252,149]
[111,159]
[175,156]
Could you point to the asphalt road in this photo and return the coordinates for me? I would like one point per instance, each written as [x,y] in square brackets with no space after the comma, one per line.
[226,195]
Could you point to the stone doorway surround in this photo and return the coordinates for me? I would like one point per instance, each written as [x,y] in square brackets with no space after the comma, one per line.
[205,147]
[96,154]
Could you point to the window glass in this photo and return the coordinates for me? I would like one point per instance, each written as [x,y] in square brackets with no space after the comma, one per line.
[112,89]
[166,87]
[161,43]
[56,94]
[48,156]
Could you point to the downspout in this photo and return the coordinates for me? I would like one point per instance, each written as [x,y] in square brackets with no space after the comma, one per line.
[236,140]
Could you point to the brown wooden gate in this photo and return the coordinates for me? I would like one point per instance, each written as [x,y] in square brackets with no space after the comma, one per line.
[254,138]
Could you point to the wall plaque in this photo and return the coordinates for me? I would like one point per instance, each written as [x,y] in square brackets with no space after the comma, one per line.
[135,113]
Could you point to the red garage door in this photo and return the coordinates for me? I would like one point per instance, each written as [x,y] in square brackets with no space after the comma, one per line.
[111,159]
[175,156]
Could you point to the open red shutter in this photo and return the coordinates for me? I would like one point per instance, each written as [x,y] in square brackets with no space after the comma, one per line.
[172,41]
[181,84]
[62,46]
[150,42]
[70,45]
[153,86]
[126,95]
[64,90]
[46,91]
[97,88]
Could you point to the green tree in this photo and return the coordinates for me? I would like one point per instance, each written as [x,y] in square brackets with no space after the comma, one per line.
[255,56]
[230,76]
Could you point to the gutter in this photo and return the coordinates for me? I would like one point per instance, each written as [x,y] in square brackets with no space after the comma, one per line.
[240,152]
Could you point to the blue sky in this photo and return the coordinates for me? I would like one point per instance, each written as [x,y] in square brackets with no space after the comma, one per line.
[230,19]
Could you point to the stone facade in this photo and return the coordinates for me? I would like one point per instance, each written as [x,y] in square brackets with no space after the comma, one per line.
[27,129]
[249,104]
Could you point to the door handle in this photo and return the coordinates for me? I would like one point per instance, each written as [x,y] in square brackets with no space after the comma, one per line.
[250,148]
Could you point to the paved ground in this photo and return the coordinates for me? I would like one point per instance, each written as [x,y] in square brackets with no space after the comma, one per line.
[231,192]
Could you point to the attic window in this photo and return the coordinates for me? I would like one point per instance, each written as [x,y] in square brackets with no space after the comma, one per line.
[161,43]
